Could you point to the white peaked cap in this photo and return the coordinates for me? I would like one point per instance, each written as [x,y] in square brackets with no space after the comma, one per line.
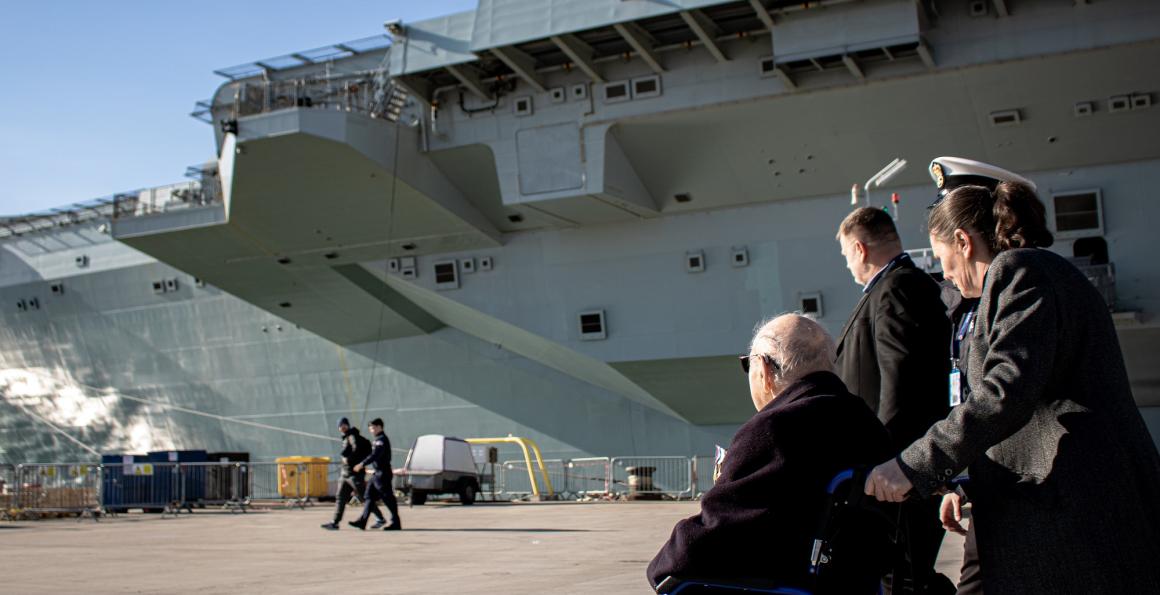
[948,172]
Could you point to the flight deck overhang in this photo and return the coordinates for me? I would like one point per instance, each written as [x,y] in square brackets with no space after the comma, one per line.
[305,192]
[458,38]
[508,40]
[500,23]
[331,161]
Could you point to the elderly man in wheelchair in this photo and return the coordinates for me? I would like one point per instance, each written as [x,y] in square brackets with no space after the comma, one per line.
[782,517]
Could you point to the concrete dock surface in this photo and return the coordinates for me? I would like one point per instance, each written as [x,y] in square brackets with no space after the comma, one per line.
[503,548]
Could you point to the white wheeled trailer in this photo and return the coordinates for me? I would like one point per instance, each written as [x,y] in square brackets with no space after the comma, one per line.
[440,464]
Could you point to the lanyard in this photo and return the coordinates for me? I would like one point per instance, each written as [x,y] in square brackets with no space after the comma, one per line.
[890,266]
[961,335]
[956,376]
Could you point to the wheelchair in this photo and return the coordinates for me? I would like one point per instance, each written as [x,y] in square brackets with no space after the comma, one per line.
[856,543]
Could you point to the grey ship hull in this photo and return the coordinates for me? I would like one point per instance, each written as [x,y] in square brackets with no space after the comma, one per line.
[110,366]
[585,200]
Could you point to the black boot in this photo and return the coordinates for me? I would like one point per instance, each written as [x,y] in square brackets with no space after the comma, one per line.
[361,526]
[396,525]
[331,526]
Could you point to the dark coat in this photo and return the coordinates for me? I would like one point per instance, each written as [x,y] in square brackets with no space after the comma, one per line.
[894,352]
[380,455]
[759,519]
[1064,476]
[355,449]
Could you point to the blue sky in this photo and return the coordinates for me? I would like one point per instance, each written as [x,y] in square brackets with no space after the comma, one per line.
[96,95]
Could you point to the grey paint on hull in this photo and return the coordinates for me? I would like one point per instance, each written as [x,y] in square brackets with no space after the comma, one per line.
[201,370]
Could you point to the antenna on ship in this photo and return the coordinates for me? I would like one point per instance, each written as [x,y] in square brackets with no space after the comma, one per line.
[877,180]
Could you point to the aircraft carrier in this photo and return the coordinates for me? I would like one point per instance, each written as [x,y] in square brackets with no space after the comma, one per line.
[559,219]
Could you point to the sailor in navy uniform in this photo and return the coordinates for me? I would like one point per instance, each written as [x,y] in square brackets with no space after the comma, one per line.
[380,486]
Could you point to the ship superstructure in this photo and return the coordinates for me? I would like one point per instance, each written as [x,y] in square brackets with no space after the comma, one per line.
[560,219]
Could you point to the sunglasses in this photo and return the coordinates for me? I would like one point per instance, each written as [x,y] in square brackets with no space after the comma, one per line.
[768,359]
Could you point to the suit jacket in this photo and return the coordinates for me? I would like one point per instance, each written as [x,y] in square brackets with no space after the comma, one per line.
[758,520]
[894,352]
[1064,475]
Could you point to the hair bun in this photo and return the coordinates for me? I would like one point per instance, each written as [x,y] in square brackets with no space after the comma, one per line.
[1020,221]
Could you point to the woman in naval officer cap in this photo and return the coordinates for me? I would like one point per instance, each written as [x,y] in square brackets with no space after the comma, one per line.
[949,173]
[1064,477]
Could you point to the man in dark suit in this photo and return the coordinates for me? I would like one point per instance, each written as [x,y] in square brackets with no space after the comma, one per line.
[758,520]
[893,354]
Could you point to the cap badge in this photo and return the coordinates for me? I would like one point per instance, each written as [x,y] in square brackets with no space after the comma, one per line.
[936,170]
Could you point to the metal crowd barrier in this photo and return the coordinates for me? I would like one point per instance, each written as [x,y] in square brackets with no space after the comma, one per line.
[296,484]
[588,476]
[223,484]
[660,476]
[702,475]
[513,478]
[572,478]
[169,488]
[56,488]
[7,491]
[151,487]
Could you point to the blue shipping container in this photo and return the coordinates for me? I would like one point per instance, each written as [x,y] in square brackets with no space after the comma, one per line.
[186,487]
[127,481]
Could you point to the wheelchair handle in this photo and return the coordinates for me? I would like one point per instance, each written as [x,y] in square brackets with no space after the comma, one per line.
[838,479]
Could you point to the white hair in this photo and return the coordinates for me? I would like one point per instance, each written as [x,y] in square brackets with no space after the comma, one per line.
[797,344]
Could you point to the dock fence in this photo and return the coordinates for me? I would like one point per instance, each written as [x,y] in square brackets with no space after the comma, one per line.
[571,478]
[665,476]
[57,488]
[513,482]
[151,487]
[89,489]
[702,475]
[7,491]
[589,476]
[294,484]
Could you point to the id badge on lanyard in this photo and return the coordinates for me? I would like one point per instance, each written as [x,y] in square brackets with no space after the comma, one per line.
[956,386]
[956,377]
